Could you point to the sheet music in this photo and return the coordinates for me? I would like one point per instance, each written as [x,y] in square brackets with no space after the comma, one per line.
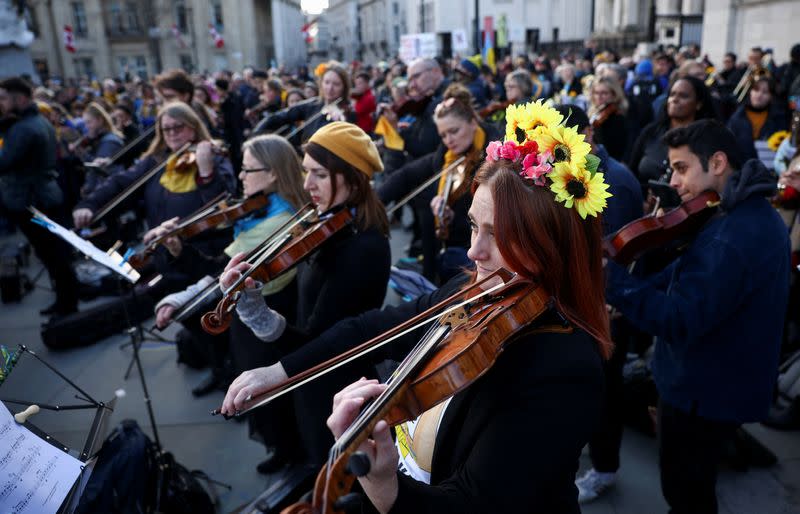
[35,476]
[113,261]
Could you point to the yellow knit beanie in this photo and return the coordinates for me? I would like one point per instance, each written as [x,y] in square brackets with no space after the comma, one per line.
[351,144]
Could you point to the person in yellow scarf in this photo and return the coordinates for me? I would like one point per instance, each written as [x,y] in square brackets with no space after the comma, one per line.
[463,135]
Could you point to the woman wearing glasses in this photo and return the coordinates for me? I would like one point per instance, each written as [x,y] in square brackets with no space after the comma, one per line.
[174,191]
[269,166]
[345,277]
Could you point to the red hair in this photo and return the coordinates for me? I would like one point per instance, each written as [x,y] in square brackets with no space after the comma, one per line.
[544,241]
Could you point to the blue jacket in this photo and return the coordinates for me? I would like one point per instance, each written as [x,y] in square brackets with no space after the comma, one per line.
[626,203]
[718,310]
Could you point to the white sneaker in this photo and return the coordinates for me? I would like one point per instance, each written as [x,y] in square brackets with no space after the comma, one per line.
[593,483]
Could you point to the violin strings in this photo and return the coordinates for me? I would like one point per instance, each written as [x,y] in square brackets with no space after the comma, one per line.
[289,388]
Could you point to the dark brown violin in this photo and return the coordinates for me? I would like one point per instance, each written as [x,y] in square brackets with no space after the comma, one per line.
[605,112]
[493,107]
[412,106]
[456,183]
[221,212]
[639,236]
[271,266]
[465,344]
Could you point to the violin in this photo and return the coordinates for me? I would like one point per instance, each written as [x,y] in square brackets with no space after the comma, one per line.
[219,213]
[125,193]
[455,184]
[639,236]
[606,111]
[464,345]
[270,266]
[411,106]
[187,161]
[493,107]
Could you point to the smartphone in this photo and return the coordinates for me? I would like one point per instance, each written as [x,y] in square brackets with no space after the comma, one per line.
[668,195]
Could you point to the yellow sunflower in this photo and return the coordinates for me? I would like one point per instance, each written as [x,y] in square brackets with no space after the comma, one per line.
[578,188]
[775,140]
[524,121]
[565,144]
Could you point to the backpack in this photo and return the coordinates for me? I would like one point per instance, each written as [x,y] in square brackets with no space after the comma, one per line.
[132,477]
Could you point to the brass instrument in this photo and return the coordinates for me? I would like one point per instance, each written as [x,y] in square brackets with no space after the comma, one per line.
[753,74]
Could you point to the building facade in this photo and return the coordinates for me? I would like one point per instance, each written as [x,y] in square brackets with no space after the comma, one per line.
[738,25]
[143,37]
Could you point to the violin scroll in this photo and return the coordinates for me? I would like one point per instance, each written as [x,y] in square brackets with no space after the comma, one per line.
[217,321]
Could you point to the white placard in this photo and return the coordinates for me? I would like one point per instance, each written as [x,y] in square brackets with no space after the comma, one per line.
[35,476]
[460,41]
[516,32]
[413,46]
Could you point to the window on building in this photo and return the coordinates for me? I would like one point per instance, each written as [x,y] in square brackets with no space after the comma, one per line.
[81,28]
[115,12]
[84,67]
[140,66]
[397,35]
[395,8]
[216,16]
[669,33]
[131,17]
[180,16]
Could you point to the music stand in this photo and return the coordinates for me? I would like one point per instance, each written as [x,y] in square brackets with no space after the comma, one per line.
[123,269]
[95,437]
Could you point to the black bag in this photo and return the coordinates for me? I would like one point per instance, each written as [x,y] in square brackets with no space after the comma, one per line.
[89,326]
[118,484]
[132,477]
[178,490]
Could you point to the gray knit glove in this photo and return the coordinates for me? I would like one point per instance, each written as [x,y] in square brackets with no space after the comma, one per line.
[265,323]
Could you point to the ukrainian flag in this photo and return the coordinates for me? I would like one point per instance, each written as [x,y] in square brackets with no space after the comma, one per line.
[487,52]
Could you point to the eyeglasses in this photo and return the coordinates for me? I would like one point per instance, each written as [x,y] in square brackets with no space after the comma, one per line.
[418,74]
[256,170]
[172,128]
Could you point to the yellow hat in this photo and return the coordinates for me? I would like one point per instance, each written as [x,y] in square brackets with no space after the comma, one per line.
[351,144]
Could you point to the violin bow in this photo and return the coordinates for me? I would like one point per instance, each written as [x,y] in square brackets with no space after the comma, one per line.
[424,186]
[420,320]
[265,246]
[203,211]
[312,118]
[134,186]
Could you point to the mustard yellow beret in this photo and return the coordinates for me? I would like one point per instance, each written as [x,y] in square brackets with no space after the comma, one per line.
[351,144]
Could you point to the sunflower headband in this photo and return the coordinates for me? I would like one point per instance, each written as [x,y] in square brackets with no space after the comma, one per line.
[552,155]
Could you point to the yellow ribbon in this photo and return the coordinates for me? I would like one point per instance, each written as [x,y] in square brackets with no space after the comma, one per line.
[178,181]
[391,139]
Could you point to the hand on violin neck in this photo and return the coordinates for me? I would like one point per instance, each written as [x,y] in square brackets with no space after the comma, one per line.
[380,483]
[174,246]
[82,217]
[160,230]
[233,272]
[205,158]
[249,384]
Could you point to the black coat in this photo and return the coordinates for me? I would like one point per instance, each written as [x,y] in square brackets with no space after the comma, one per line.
[649,160]
[743,130]
[346,277]
[28,163]
[512,439]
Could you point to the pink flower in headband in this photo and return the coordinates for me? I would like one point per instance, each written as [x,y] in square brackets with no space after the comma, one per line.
[509,151]
[493,151]
[535,166]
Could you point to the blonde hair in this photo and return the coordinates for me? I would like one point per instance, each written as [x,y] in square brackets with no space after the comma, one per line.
[96,111]
[616,92]
[184,114]
[275,153]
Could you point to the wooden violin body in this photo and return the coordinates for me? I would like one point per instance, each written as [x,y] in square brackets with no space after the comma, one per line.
[493,107]
[435,371]
[219,213]
[605,112]
[295,250]
[637,237]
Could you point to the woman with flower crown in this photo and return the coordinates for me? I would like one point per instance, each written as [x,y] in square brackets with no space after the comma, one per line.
[463,135]
[511,440]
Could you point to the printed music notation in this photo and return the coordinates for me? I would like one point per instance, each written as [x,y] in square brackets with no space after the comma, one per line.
[35,476]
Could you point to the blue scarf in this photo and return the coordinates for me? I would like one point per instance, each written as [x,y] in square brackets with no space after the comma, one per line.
[275,206]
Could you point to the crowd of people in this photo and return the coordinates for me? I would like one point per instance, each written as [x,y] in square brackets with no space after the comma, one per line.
[528,167]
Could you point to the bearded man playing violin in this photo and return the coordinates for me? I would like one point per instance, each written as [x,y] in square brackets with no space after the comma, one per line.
[717,312]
